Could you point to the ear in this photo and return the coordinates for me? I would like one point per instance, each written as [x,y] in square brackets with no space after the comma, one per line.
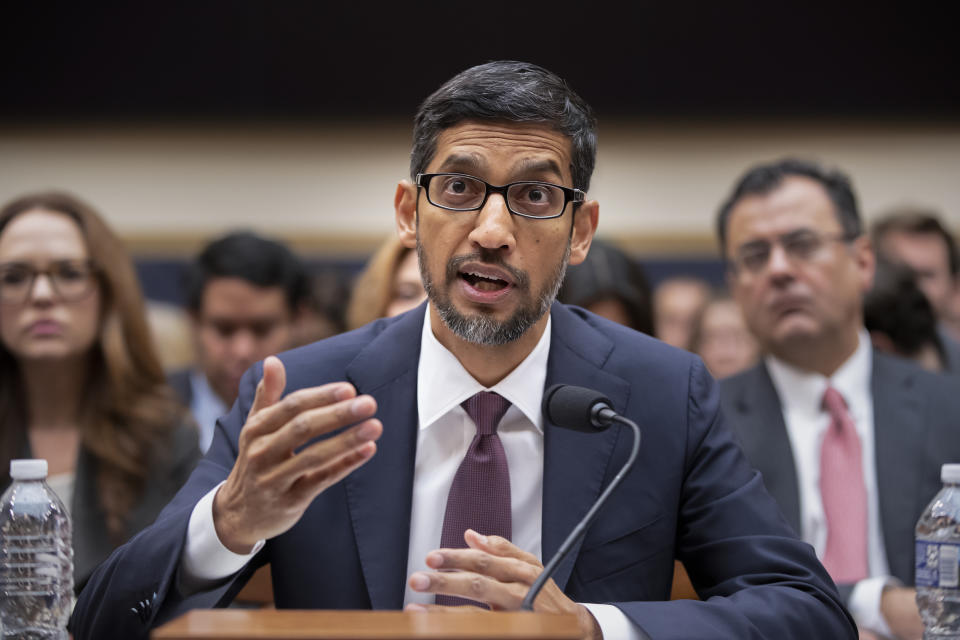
[866,261]
[405,207]
[584,226]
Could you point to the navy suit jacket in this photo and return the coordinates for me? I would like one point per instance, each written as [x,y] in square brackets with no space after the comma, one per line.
[691,495]
[915,432]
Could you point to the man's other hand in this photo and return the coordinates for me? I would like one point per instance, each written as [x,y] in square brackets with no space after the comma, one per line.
[271,483]
[899,608]
[497,573]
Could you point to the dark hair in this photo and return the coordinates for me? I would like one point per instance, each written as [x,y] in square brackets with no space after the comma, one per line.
[607,273]
[129,411]
[898,308]
[913,220]
[245,255]
[764,178]
[508,91]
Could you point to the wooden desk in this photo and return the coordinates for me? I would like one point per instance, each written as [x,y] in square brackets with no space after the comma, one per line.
[270,624]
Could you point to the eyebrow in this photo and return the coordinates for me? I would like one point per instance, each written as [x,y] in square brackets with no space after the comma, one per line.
[530,168]
[462,162]
[539,166]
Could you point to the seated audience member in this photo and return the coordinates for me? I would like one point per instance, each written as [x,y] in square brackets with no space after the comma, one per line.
[389,285]
[849,441]
[324,313]
[676,303]
[900,319]
[81,384]
[408,463]
[244,294]
[917,238]
[612,285]
[722,339]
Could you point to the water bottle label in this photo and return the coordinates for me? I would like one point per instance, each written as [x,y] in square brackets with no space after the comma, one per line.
[938,564]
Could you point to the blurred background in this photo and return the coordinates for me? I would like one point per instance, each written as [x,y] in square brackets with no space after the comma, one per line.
[181,120]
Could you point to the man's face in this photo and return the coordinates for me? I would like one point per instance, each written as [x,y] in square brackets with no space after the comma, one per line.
[926,254]
[491,275]
[239,324]
[808,300]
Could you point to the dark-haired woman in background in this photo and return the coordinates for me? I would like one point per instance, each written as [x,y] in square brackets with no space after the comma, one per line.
[80,384]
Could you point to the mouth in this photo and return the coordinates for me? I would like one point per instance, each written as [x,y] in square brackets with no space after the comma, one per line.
[485,284]
[44,328]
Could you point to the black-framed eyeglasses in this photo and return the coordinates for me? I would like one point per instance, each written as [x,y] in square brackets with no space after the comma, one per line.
[802,245]
[71,280]
[530,198]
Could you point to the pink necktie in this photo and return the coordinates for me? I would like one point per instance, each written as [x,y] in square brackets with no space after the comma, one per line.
[479,497]
[843,493]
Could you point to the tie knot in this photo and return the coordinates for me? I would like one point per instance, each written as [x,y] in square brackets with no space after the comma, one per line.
[834,403]
[485,409]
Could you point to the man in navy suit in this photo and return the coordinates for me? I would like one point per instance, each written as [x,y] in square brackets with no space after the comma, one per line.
[340,461]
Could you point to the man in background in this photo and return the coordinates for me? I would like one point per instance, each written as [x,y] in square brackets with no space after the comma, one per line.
[849,441]
[245,294]
[918,239]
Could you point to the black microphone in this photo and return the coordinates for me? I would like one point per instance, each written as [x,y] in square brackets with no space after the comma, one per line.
[589,411]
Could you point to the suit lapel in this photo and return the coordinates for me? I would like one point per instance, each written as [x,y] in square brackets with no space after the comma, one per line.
[757,417]
[898,441]
[575,464]
[381,491]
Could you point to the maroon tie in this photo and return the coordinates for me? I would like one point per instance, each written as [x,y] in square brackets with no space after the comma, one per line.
[844,494]
[479,497]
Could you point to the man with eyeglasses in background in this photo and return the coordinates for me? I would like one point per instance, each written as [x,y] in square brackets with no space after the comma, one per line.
[460,486]
[849,441]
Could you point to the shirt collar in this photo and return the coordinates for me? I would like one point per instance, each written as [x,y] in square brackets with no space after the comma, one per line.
[204,396]
[802,391]
[443,383]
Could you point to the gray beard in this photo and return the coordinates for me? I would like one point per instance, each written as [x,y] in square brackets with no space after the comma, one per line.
[482,329]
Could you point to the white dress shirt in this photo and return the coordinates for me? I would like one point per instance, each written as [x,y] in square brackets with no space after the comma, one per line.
[206,407]
[445,433]
[801,398]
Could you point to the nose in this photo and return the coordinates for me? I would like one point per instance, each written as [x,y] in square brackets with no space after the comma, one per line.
[494,225]
[243,346]
[779,265]
[42,289]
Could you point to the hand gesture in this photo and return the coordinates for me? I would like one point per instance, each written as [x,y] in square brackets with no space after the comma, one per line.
[271,483]
[494,571]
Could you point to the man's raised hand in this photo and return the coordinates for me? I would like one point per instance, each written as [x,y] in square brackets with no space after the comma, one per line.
[272,483]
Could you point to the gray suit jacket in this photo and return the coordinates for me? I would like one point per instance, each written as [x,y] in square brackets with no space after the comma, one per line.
[916,430]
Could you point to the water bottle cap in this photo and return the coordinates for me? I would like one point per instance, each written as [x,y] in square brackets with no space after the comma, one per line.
[34,469]
[950,473]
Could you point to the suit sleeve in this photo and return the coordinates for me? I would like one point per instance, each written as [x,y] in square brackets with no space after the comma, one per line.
[755,578]
[135,588]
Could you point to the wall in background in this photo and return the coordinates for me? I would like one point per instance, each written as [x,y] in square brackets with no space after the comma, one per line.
[329,188]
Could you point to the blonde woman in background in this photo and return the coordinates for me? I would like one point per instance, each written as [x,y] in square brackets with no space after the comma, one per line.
[389,285]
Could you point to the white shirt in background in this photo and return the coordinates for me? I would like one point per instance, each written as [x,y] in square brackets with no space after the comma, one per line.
[801,399]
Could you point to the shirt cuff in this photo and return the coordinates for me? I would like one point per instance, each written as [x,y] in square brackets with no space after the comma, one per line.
[865,600]
[614,623]
[205,561]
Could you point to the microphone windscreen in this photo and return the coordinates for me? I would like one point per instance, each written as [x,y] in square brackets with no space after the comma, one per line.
[571,407]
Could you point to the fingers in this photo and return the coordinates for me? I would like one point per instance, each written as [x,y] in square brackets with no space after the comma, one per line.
[325,457]
[336,395]
[498,546]
[473,586]
[271,385]
[308,486]
[479,562]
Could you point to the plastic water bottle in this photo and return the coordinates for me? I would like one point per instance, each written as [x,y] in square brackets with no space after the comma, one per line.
[938,560]
[36,557]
